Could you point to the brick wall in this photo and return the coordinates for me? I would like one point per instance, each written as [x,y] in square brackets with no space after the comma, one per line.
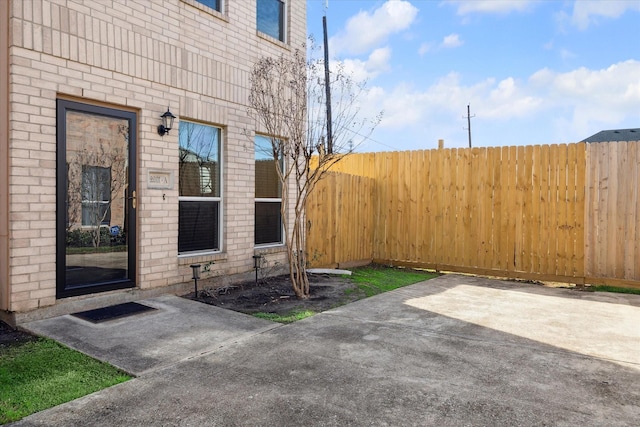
[141,56]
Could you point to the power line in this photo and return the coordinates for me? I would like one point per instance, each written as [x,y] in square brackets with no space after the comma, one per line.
[367,138]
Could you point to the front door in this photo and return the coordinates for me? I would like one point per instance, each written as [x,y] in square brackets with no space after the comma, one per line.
[96,200]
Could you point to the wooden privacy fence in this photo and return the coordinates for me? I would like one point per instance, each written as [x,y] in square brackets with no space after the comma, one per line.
[340,220]
[612,234]
[552,212]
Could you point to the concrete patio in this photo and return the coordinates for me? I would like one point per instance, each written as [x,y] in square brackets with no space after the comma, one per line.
[455,350]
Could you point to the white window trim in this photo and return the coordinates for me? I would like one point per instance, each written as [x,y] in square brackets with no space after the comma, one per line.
[273,244]
[270,200]
[205,8]
[212,199]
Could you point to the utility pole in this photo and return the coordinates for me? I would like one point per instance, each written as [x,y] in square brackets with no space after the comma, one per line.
[327,81]
[469,117]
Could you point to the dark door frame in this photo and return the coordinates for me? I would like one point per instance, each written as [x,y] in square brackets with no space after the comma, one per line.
[62,106]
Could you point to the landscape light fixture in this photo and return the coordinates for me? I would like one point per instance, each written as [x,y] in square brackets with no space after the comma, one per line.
[167,123]
[196,276]
[256,265]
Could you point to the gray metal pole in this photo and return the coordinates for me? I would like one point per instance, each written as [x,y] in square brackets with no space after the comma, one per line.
[327,87]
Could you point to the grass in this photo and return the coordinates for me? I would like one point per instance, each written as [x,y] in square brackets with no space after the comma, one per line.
[41,374]
[616,289]
[287,318]
[370,280]
[374,280]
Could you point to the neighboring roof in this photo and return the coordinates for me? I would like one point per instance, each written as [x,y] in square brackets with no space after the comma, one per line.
[615,135]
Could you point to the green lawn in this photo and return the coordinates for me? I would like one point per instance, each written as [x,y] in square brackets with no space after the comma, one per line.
[40,374]
[615,289]
[287,318]
[373,280]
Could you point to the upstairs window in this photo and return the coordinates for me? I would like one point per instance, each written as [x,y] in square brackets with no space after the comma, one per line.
[271,18]
[199,213]
[213,4]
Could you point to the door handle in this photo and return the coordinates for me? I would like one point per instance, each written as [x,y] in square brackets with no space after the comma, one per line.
[133,199]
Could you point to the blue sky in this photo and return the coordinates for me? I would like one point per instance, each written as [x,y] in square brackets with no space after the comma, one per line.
[533,72]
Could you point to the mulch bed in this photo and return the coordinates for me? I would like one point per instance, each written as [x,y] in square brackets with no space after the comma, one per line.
[269,295]
[10,337]
[275,295]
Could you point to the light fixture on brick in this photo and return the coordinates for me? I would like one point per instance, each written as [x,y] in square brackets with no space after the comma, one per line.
[167,123]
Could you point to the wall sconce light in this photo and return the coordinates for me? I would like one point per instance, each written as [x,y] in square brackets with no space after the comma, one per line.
[196,276]
[167,123]
[256,265]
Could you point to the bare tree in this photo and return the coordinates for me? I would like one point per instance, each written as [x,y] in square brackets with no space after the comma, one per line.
[288,100]
[96,179]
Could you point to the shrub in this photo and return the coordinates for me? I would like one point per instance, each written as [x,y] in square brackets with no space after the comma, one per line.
[82,238]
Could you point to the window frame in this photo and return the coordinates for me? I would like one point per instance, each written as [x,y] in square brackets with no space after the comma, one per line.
[282,25]
[278,200]
[212,199]
[200,5]
[63,107]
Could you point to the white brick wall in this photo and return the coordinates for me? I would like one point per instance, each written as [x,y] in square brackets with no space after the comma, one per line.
[144,55]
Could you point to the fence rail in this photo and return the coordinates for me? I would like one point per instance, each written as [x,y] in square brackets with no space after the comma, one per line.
[550,212]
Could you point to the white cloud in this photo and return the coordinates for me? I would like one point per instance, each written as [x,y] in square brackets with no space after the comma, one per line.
[613,90]
[507,101]
[566,54]
[378,62]
[563,53]
[402,107]
[367,30]
[425,48]
[451,41]
[448,42]
[465,7]
[355,68]
[588,12]
[585,101]
[492,100]
[569,105]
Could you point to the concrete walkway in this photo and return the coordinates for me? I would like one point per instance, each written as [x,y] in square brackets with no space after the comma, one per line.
[178,330]
[451,351]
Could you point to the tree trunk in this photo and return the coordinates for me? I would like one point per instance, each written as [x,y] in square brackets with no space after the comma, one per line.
[297,265]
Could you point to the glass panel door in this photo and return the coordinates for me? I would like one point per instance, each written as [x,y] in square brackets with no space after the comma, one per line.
[96,235]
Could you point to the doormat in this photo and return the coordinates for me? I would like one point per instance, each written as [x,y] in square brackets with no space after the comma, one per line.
[112,312]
